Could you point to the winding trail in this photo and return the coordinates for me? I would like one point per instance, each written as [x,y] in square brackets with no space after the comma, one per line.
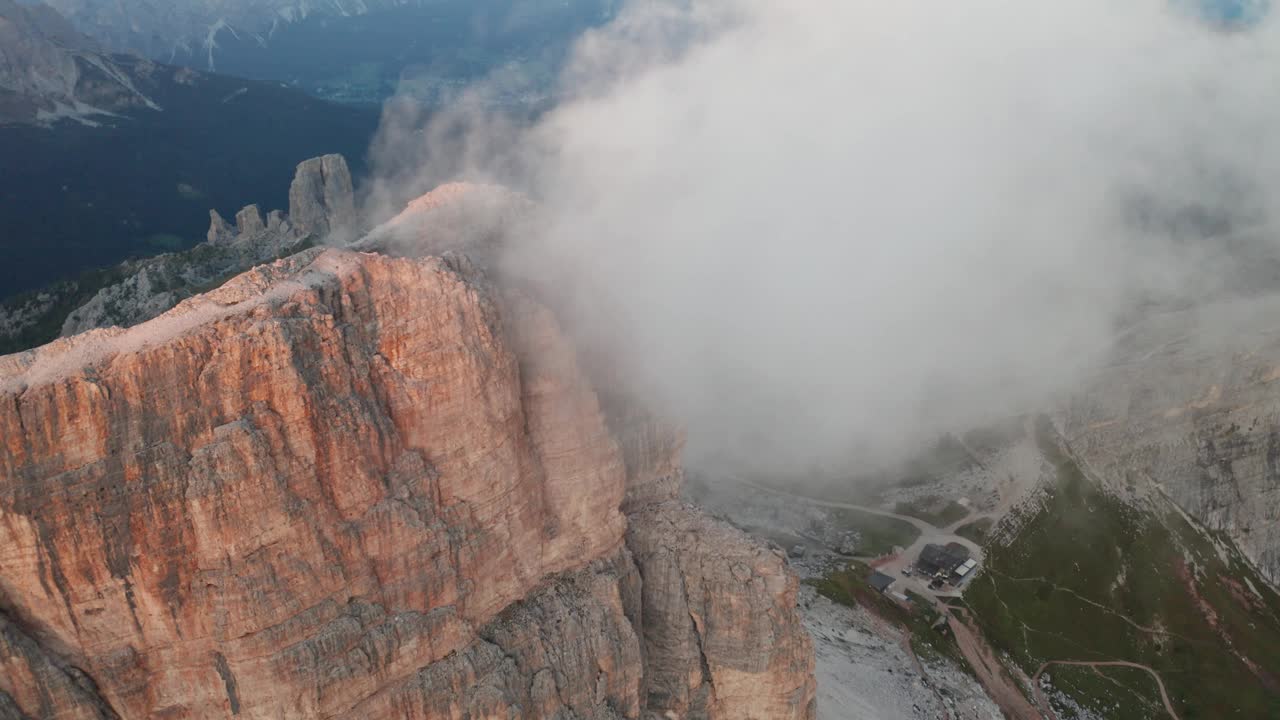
[921,524]
[929,534]
[1058,588]
[1040,698]
[991,672]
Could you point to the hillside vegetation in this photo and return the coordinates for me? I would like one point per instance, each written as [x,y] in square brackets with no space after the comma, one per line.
[1089,578]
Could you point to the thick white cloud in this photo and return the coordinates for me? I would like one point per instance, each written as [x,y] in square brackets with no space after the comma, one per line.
[833,227]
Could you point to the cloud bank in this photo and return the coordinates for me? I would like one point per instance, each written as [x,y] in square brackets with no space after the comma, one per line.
[820,230]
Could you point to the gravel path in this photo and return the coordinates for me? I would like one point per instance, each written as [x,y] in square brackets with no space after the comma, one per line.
[929,534]
[1035,681]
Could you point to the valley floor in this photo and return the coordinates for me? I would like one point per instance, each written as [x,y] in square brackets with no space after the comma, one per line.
[1086,606]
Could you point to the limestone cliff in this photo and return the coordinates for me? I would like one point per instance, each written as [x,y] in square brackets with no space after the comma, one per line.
[349,485]
[1191,409]
[719,619]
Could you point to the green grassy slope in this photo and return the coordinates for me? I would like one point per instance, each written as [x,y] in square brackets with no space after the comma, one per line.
[1090,578]
[878,535]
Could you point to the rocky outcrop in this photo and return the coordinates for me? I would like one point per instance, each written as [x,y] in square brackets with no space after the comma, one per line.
[569,651]
[321,200]
[650,450]
[469,217]
[325,201]
[722,637]
[1191,409]
[348,485]
[219,230]
[149,287]
[249,221]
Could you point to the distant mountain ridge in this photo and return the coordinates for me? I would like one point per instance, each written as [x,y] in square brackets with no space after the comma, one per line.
[192,28]
[355,51]
[109,157]
[49,71]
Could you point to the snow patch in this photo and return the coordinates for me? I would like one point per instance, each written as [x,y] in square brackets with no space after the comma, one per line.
[76,111]
[122,79]
[1252,588]
[211,39]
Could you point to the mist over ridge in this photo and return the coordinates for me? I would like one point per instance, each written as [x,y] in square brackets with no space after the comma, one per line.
[826,230]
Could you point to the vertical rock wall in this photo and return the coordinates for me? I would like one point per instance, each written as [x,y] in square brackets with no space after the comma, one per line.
[345,485]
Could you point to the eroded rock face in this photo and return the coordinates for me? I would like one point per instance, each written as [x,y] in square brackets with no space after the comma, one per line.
[1191,409]
[362,420]
[346,485]
[722,637]
[41,686]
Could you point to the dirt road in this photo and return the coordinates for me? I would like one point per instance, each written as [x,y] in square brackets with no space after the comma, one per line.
[1035,681]
[994,676]
[929,534]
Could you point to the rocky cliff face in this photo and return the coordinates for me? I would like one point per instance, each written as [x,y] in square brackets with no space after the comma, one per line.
[349,485]
[1191,409]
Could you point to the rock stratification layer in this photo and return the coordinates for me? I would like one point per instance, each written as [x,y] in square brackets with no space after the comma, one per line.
[350,485]
[1191,410]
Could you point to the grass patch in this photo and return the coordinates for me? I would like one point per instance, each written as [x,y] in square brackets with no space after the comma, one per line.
[934,510]
[977,531]
[1110,692]
[1088,577]
[878,535]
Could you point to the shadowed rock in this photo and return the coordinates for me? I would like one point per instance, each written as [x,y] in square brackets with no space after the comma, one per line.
[249,221]
[277,222]
[321,199]
[219,230]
